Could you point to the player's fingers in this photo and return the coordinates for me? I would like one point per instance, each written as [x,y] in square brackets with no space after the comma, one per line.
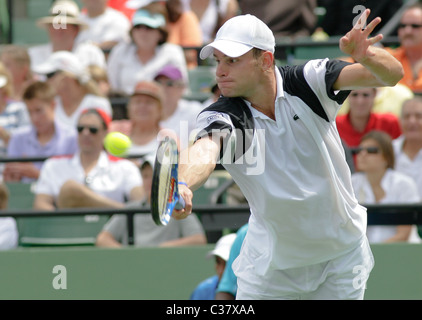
[375,39]
[180,214]
[361,22]
[371,26]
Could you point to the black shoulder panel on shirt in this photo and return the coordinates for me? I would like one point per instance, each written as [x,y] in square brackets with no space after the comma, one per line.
[241,117]
[333,70]
[295,84]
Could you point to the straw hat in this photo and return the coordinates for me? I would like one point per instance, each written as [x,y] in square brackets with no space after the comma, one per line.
[62,12]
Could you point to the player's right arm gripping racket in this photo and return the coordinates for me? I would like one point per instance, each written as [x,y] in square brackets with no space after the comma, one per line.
[165,184]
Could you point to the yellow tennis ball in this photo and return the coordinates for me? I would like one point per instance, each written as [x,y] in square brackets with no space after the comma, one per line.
[117,143]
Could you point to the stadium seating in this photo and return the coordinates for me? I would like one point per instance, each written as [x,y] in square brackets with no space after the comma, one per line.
[60,231]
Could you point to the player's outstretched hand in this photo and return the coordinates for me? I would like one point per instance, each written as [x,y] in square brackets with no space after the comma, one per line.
[187,195]
[357,42]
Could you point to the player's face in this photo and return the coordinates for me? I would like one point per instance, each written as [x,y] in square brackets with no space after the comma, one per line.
[370,158]
[411,120]
[410,28]
[236,77]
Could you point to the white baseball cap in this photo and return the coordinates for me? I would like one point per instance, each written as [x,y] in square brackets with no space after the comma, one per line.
[240,34]
[64,61]
[223,246]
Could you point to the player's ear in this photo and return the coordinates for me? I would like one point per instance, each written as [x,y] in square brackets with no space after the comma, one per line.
[267,59]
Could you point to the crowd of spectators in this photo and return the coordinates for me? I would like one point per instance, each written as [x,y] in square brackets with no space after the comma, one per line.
[56,100]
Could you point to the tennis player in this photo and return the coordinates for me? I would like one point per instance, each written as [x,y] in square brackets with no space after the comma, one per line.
[306,237]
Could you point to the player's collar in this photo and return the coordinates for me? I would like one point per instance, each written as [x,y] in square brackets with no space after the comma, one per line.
[279,81]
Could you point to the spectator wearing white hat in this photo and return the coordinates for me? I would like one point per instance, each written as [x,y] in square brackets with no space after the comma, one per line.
[146,54]
[206,289]
[75,89]
[63,25]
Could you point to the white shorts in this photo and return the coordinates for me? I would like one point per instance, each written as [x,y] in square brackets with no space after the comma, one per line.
[342,278]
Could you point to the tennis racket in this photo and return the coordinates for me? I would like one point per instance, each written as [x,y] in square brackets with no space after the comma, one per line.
[165,187]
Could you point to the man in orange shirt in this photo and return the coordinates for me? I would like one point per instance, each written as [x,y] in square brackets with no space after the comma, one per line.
[409,53]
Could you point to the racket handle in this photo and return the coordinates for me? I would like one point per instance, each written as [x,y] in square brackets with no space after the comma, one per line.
[180,204]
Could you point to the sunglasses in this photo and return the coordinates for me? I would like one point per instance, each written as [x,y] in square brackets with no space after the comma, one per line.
[92,130]
[413,25]
[369,150]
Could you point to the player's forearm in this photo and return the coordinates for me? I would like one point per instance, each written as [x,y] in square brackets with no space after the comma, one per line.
[198,162]
[386,69]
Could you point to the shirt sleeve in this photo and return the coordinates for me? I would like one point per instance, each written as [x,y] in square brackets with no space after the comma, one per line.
[132,175]
[116,225]
[47,179]
[320,75]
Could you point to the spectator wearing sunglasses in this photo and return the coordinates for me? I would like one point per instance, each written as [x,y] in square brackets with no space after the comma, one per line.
[409,53]
[45,137]
[146,54]
[377,182]
[76,90]
[91,177]
[360,119]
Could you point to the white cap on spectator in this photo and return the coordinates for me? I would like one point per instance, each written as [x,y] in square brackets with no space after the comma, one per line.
[64,61]
[240,34]
[223,246]
[62,12]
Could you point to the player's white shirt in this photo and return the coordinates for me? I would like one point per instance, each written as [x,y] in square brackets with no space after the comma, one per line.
[112,25]
[89,101]
[297,182]
[112,177]
[398,188]
[183,120]
[88,53]
[125,70]
[404,164]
